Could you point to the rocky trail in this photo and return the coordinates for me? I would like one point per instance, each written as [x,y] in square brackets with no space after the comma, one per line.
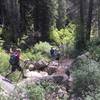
[39,71]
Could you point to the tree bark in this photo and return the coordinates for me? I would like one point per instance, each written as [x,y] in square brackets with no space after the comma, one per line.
[12,19]
[80,38]
[89,20]
[98,2]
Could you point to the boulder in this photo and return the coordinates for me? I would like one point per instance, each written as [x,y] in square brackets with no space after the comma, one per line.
[53,63]
[6,85]
[60,79]
[33,74]
[51,69]
[31,67]
[40,65]
[10,91]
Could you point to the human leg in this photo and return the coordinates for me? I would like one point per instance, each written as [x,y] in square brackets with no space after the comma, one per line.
[13,68]
[21,70]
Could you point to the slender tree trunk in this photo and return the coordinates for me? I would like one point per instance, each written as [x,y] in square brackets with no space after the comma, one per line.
[89,20]
[22,16]
[36,15]
[80,38]
[98,2]
[0,12]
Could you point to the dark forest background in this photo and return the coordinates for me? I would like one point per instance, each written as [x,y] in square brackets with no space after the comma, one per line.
[36,19]
[71,27]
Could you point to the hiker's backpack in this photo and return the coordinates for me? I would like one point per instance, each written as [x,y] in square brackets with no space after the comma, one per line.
[13,59]
[52,52]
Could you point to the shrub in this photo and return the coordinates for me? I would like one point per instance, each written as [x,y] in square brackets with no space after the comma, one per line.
[94,49]
[35,92]
[4,61]
[87,79]
[39,51]
[39,91]
[45,90]
[43,47]
[65,35]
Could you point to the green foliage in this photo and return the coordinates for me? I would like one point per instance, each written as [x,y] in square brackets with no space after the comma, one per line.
[35,92]
[87,79]
[94,49]
[4,62]
[39,51]
[42,47]
[64,36]
[43,90]
[6,35]
[49,86]
[61,11]
[4,66]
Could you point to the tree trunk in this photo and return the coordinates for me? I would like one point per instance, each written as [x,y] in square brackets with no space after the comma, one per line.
[12,19]
[80,38]
[89,20]
[61,19]
[22,16]
[2,12]
[98,2]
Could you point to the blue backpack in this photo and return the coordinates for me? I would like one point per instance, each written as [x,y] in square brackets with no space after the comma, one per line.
[13,59]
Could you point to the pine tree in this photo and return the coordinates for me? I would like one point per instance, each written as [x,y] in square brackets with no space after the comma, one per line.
[61,19]
[44,17]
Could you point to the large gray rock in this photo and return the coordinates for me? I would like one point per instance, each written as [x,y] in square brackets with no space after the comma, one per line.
[40,65]
[33,74]
[60,79]
[6,85]
[51,69]
[10,91]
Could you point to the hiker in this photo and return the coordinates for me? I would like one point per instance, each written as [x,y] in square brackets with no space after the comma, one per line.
[52,53]
[15,61]
[55,54]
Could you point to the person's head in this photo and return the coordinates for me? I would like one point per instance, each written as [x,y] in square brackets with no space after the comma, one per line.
[18,50]
[13,48]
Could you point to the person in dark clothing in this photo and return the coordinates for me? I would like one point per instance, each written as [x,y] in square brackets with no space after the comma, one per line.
[52,52]
[55,54]
[15,61]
